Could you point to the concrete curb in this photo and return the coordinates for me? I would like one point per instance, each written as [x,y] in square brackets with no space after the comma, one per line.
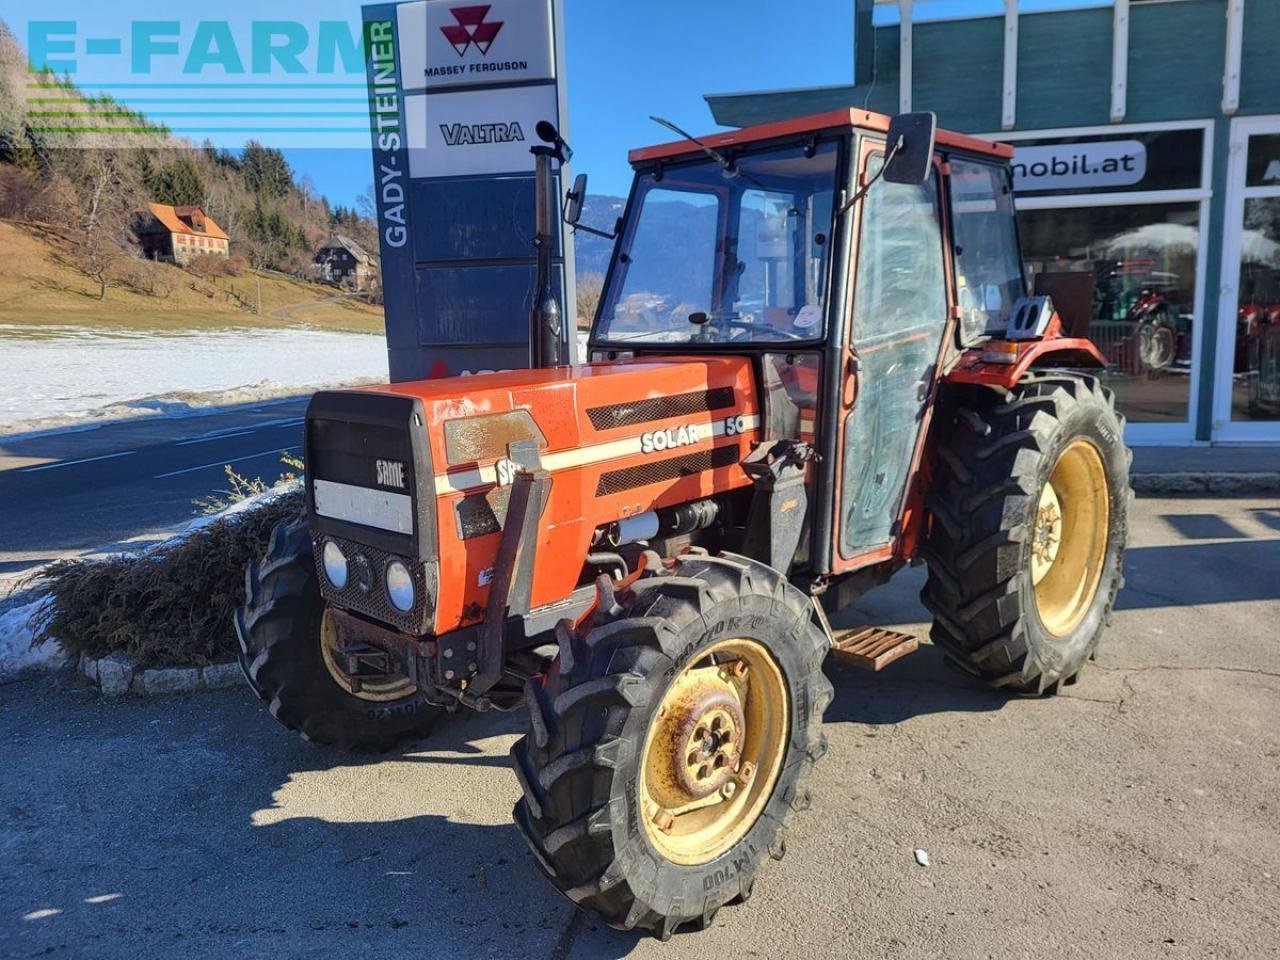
[117,675]
[1229,484]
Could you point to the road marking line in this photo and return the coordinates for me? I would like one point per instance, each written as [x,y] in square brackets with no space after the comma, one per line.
[218,436]
[72,463]
[243,430]
[221,463]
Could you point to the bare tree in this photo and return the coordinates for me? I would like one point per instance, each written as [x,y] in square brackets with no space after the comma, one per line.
[262,253]
[590,289]
[367,204]
[103,225]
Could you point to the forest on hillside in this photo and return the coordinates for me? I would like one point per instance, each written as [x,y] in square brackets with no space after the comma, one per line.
[85,191]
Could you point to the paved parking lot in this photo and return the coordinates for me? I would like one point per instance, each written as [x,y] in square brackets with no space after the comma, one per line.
[1135,816]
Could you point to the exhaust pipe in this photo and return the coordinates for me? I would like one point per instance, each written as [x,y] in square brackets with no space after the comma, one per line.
[546,322]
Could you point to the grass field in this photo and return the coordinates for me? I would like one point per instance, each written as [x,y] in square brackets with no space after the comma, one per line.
[37,290]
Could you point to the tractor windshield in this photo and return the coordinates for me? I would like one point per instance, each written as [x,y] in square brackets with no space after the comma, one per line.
[726,256]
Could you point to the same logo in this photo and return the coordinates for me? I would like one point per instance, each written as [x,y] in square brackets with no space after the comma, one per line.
[389,473]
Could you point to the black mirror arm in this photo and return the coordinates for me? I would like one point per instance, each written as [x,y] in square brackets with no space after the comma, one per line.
[862,192]
[593,231]
[564,215]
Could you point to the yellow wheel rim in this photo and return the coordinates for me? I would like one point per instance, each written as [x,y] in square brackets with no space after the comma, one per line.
[378,691]
[1069,538]
[714,751]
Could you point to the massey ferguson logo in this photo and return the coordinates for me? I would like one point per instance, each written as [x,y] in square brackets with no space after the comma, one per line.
[390,473]
[471,28]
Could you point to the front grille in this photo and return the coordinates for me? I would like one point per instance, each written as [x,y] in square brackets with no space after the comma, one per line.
[671,469]
[375,603]
[660,408]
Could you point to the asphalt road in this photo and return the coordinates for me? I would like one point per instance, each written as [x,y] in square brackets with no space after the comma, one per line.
[1134,816]
[64,493]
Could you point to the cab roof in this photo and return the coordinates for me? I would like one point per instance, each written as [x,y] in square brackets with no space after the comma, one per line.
[815,123]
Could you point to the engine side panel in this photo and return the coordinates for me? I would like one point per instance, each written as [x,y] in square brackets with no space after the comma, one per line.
[617,440]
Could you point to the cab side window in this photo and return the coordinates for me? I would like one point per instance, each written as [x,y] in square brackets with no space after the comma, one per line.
[988,267]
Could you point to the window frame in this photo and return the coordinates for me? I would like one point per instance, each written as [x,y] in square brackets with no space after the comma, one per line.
[948,158]
[1146,433]
[659,171]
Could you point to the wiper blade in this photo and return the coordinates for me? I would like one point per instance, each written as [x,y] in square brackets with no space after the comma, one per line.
[728,166]
[715,155]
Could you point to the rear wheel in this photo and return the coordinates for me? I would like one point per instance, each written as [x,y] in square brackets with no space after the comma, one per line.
[670,740]
[1029,519]
[289,653]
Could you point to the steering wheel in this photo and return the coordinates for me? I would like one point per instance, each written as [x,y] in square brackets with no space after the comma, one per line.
[740,323]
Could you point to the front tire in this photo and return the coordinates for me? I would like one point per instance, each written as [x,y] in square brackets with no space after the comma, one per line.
[670,740]
[286,653]
[1029,522]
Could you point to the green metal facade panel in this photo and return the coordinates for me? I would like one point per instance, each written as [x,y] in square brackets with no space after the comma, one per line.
[958,72]
[1177,52]
[883,96]
[1260,58]
[748,109]
[1064,69]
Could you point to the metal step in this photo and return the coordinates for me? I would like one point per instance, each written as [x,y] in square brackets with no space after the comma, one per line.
[872,648]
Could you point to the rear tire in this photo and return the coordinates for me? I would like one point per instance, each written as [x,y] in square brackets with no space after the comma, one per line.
[1020,599]
[280,631]
[586,767]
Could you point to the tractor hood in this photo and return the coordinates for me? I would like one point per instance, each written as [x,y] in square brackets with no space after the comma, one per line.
[594,413]
[423,470]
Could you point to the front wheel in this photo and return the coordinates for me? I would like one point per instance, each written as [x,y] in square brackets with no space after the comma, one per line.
[670,740]
[289,654]
[1028,527]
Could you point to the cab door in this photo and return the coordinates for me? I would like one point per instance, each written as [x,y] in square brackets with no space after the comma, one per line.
[899,320]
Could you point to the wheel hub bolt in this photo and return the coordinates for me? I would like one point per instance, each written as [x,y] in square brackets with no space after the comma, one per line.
[728,790]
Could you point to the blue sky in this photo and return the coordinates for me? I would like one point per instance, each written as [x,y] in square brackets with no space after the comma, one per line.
[629,60]
[626,60]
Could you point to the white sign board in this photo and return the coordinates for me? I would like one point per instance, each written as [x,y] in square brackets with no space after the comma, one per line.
[460,44]
[474,132]
[1106,164]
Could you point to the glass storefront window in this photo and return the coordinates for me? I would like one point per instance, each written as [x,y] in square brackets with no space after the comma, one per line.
[1125,276]
[1255,380]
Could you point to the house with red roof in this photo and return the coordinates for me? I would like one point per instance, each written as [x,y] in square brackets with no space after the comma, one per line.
[179,233]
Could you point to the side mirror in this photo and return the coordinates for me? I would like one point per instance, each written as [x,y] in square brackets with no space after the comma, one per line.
[574,200]
[910,143]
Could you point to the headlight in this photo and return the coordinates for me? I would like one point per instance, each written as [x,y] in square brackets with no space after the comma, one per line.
[335,564]
[400,586]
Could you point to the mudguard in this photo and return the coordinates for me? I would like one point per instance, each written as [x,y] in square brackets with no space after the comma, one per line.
[1075,352]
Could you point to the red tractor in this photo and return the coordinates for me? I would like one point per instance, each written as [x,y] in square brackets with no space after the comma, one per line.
[814,362]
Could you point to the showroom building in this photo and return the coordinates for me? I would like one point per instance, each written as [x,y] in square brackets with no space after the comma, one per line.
[1146,176]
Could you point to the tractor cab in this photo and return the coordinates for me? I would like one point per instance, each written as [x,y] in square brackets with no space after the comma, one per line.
[854,259]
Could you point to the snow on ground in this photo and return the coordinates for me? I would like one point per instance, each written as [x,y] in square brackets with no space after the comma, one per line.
[16,654]
[61,375]
[70,378]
